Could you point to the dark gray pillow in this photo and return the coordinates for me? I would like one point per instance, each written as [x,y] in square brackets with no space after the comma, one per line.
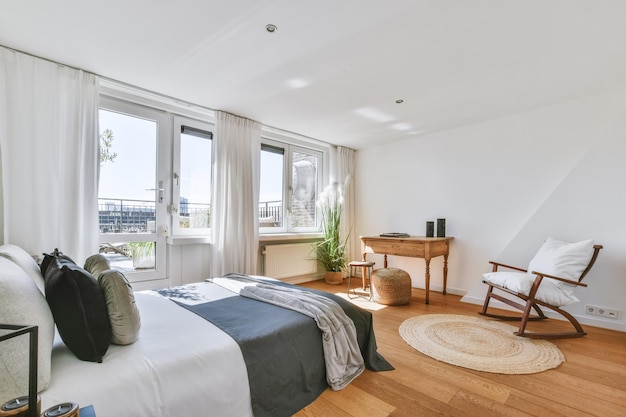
[78,307]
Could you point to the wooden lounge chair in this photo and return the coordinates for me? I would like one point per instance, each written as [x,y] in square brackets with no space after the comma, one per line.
[549,281]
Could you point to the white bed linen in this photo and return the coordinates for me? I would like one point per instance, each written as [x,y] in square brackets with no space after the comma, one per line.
[181,365]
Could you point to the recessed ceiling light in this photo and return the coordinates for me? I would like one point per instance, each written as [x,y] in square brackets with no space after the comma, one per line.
[296,83]
[401,126]
[374,114]
[399,101]
[271,28]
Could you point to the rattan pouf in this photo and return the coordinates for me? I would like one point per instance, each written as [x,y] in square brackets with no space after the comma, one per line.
[391,286]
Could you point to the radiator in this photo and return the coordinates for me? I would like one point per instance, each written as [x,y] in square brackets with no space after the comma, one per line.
[289,260]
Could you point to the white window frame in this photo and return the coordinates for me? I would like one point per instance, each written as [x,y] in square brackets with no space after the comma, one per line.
[180,121]
[291,144]
[162,168]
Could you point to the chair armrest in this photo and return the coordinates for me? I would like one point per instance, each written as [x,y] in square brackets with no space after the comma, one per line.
[497,264]
[569,281]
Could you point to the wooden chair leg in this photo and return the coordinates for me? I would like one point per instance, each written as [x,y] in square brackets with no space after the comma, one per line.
[522,307]
[575,323]
[556,335]
[522,326]
[487,299]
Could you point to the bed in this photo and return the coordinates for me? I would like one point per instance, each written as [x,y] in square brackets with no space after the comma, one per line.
[185,364]
[181,365]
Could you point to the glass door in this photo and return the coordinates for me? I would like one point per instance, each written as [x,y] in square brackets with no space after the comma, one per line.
[132,203]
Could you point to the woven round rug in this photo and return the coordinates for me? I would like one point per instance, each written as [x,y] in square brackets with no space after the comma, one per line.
[479,344]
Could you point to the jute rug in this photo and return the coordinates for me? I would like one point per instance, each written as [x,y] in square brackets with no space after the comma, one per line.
[479,344]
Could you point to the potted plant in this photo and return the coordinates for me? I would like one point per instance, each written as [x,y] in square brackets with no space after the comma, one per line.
[142,253]
[331,250]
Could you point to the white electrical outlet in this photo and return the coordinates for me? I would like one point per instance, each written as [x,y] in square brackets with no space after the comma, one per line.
[601,311]
[610,313]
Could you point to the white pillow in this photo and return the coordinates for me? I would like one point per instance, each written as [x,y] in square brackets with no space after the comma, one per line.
[25,261]
[22,303]
[562,259]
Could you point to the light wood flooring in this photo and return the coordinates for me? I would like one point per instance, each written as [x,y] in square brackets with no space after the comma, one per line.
[591,382]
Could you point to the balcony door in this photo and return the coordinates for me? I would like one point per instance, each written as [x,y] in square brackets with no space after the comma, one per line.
[132,196]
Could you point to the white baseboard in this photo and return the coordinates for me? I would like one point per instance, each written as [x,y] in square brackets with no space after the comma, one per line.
[303,278]
[439,288]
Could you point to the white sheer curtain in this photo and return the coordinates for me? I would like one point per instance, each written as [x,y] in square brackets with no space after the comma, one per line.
[49,156]
[235,205]
[345,176]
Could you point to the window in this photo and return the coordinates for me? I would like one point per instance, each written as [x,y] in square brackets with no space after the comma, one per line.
[272,186]
[290,181]
[131,194]
[192,177]
[304,188]
[155,183]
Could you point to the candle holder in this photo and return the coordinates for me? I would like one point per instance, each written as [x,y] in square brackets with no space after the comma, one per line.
[441,227]
[62,410]
[430,229]
[18,407]
[21,407]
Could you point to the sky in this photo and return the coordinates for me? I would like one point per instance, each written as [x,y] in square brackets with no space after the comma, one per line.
[133,172]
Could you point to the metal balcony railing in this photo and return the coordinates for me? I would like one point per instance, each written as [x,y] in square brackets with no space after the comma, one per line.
[139,216]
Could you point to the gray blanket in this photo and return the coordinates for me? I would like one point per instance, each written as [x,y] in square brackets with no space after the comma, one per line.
[342,355]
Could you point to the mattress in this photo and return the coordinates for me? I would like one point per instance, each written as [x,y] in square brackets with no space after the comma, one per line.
[181,365]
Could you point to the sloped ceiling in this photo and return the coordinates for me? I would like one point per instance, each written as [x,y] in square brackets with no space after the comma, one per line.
[334,69]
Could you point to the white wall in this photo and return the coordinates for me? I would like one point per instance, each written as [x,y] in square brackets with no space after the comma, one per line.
[188,263]
[504,186]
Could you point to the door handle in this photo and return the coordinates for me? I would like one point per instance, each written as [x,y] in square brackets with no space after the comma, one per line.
[159,190]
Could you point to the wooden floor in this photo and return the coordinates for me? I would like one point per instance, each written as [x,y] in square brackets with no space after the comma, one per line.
[591,382]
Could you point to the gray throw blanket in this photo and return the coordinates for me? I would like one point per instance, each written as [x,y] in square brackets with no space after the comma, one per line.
[343,358]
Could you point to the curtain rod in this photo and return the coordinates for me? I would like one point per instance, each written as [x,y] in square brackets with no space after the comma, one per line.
[48,60]
[108,79]
[147,91]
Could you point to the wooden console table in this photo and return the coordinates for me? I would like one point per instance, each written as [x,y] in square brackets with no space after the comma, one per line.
[413,246]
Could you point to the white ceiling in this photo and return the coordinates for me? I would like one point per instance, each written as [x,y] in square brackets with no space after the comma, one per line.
[334,68]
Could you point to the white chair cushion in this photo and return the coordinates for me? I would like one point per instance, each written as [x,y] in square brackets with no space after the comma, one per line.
[521,282]
[515,281]
[562,259]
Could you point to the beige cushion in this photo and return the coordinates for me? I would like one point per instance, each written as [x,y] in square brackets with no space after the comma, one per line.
[22,303]
[97,264]
[25,261]
[123,311]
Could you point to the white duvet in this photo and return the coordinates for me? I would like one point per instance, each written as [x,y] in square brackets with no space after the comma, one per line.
[181,365]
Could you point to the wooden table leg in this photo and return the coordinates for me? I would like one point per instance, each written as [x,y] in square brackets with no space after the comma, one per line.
[445,273]
[427,279]
[363,273]
[363,270]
